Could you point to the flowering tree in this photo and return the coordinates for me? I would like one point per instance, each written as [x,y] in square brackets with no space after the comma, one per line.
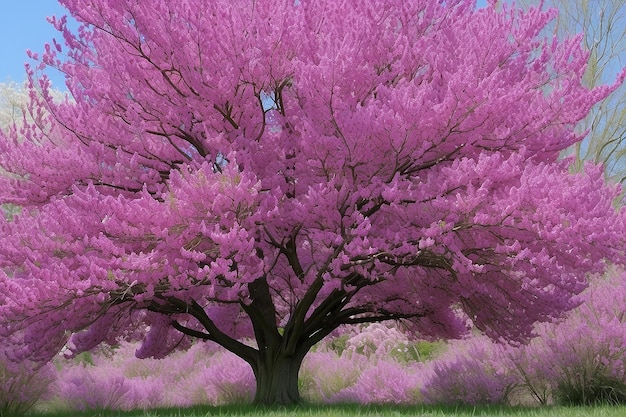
[268,171]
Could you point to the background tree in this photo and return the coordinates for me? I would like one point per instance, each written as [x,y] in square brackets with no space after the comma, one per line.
[14,110]
[407,170]
[13,100]
[602,24]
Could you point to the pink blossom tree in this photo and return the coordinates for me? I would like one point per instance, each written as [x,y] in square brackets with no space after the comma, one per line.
[257,174]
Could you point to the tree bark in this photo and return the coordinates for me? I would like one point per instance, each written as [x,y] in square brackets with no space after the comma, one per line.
[276,376]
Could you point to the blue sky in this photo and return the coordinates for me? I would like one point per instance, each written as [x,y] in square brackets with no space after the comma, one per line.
[23,26]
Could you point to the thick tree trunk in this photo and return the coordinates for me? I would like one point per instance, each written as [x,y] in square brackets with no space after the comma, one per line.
[277,378]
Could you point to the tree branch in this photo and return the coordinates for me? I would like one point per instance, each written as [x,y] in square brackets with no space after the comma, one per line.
[213,332]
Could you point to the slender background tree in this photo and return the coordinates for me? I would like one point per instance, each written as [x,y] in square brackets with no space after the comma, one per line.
[257,174]
[13,99]
[602,24]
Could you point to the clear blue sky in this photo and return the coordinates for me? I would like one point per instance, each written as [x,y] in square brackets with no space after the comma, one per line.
[23,26]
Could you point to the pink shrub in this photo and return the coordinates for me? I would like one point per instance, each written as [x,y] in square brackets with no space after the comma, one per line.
[581,359]
[383,382]
[165,382]
[22,385]
[88,388]
[227,379]
[474,371]
[324,374]
[119,380]
[359,366]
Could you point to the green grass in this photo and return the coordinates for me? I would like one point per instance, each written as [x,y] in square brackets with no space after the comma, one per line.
[356,411]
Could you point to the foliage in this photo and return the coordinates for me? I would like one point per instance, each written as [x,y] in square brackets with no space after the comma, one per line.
[116,379]
[582,360]
[95,389]
[578,360]
[386,382]
[22,385]
[228,380]
[259,174]
[471,372]
[324,374]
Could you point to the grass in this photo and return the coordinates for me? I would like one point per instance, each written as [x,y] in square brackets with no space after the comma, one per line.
[356,411]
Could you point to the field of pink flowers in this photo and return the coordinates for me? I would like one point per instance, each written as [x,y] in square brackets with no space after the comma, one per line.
[579,359]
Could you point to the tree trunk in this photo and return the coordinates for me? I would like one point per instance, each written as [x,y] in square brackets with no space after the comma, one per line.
[276,376]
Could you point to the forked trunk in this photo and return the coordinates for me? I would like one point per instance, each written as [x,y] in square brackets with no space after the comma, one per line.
[277,379]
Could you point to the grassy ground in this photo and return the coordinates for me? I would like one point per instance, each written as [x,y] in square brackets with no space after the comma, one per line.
[359,411]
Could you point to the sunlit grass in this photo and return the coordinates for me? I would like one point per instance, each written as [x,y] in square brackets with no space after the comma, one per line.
[356,411]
